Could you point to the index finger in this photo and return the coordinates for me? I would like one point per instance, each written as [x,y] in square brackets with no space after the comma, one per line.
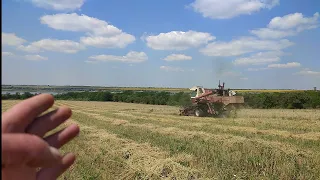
[22,114]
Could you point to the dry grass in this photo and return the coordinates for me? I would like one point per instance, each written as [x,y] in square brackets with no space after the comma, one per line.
[136,141]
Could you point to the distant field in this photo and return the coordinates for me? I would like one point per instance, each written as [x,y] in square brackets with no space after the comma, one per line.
[85,88]
[97,88]
[135,141]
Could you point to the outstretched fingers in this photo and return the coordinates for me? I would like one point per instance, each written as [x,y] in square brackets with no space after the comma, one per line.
[41,125]
[63,136]
[22,114]
[54,172]
[57,140]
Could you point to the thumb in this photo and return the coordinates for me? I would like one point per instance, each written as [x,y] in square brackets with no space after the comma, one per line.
[27,149]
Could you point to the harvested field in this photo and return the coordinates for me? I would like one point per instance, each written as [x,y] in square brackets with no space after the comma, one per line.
[135,141]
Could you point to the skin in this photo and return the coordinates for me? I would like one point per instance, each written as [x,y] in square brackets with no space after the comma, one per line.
[25,151]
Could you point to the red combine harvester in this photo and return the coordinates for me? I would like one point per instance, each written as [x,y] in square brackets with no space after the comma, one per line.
[211,102]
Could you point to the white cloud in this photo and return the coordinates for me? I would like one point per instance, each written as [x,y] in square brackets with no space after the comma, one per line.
[59,4]
[287,65]
[257,69]
[177,57]
[10,39]
[29,48]
[260,58]
[100,33]
[170,68]
[279,66]
[7,54]
[267,33]
[91,62]
[244,45]
[117,41]
[79,23]
[244,78]
[295,20]
[288,25]
[55,45]
[225,9]
[255,61]
[131,57]
[178,40]
[27,57]
[308,72]
[35,57]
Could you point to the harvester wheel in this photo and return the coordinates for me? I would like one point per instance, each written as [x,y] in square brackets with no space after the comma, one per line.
[199,113]
[224,114]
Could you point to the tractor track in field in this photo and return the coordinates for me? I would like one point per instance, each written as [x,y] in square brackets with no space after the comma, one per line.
[226,135]
[197,124]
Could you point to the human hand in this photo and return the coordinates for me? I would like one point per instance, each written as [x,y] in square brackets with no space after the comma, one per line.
[26,154]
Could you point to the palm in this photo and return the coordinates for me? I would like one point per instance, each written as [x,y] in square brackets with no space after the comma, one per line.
[24,118]
[22,172]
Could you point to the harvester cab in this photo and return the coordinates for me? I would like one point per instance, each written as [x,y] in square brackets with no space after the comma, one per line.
[197,91]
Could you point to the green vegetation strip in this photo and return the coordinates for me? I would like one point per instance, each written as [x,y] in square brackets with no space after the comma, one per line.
[263,100]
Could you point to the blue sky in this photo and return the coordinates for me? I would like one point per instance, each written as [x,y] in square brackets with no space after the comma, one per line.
[164,43]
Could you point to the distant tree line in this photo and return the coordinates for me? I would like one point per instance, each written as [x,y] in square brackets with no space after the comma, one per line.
[145,97]
[17,96]
[283,100]
[265,100]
